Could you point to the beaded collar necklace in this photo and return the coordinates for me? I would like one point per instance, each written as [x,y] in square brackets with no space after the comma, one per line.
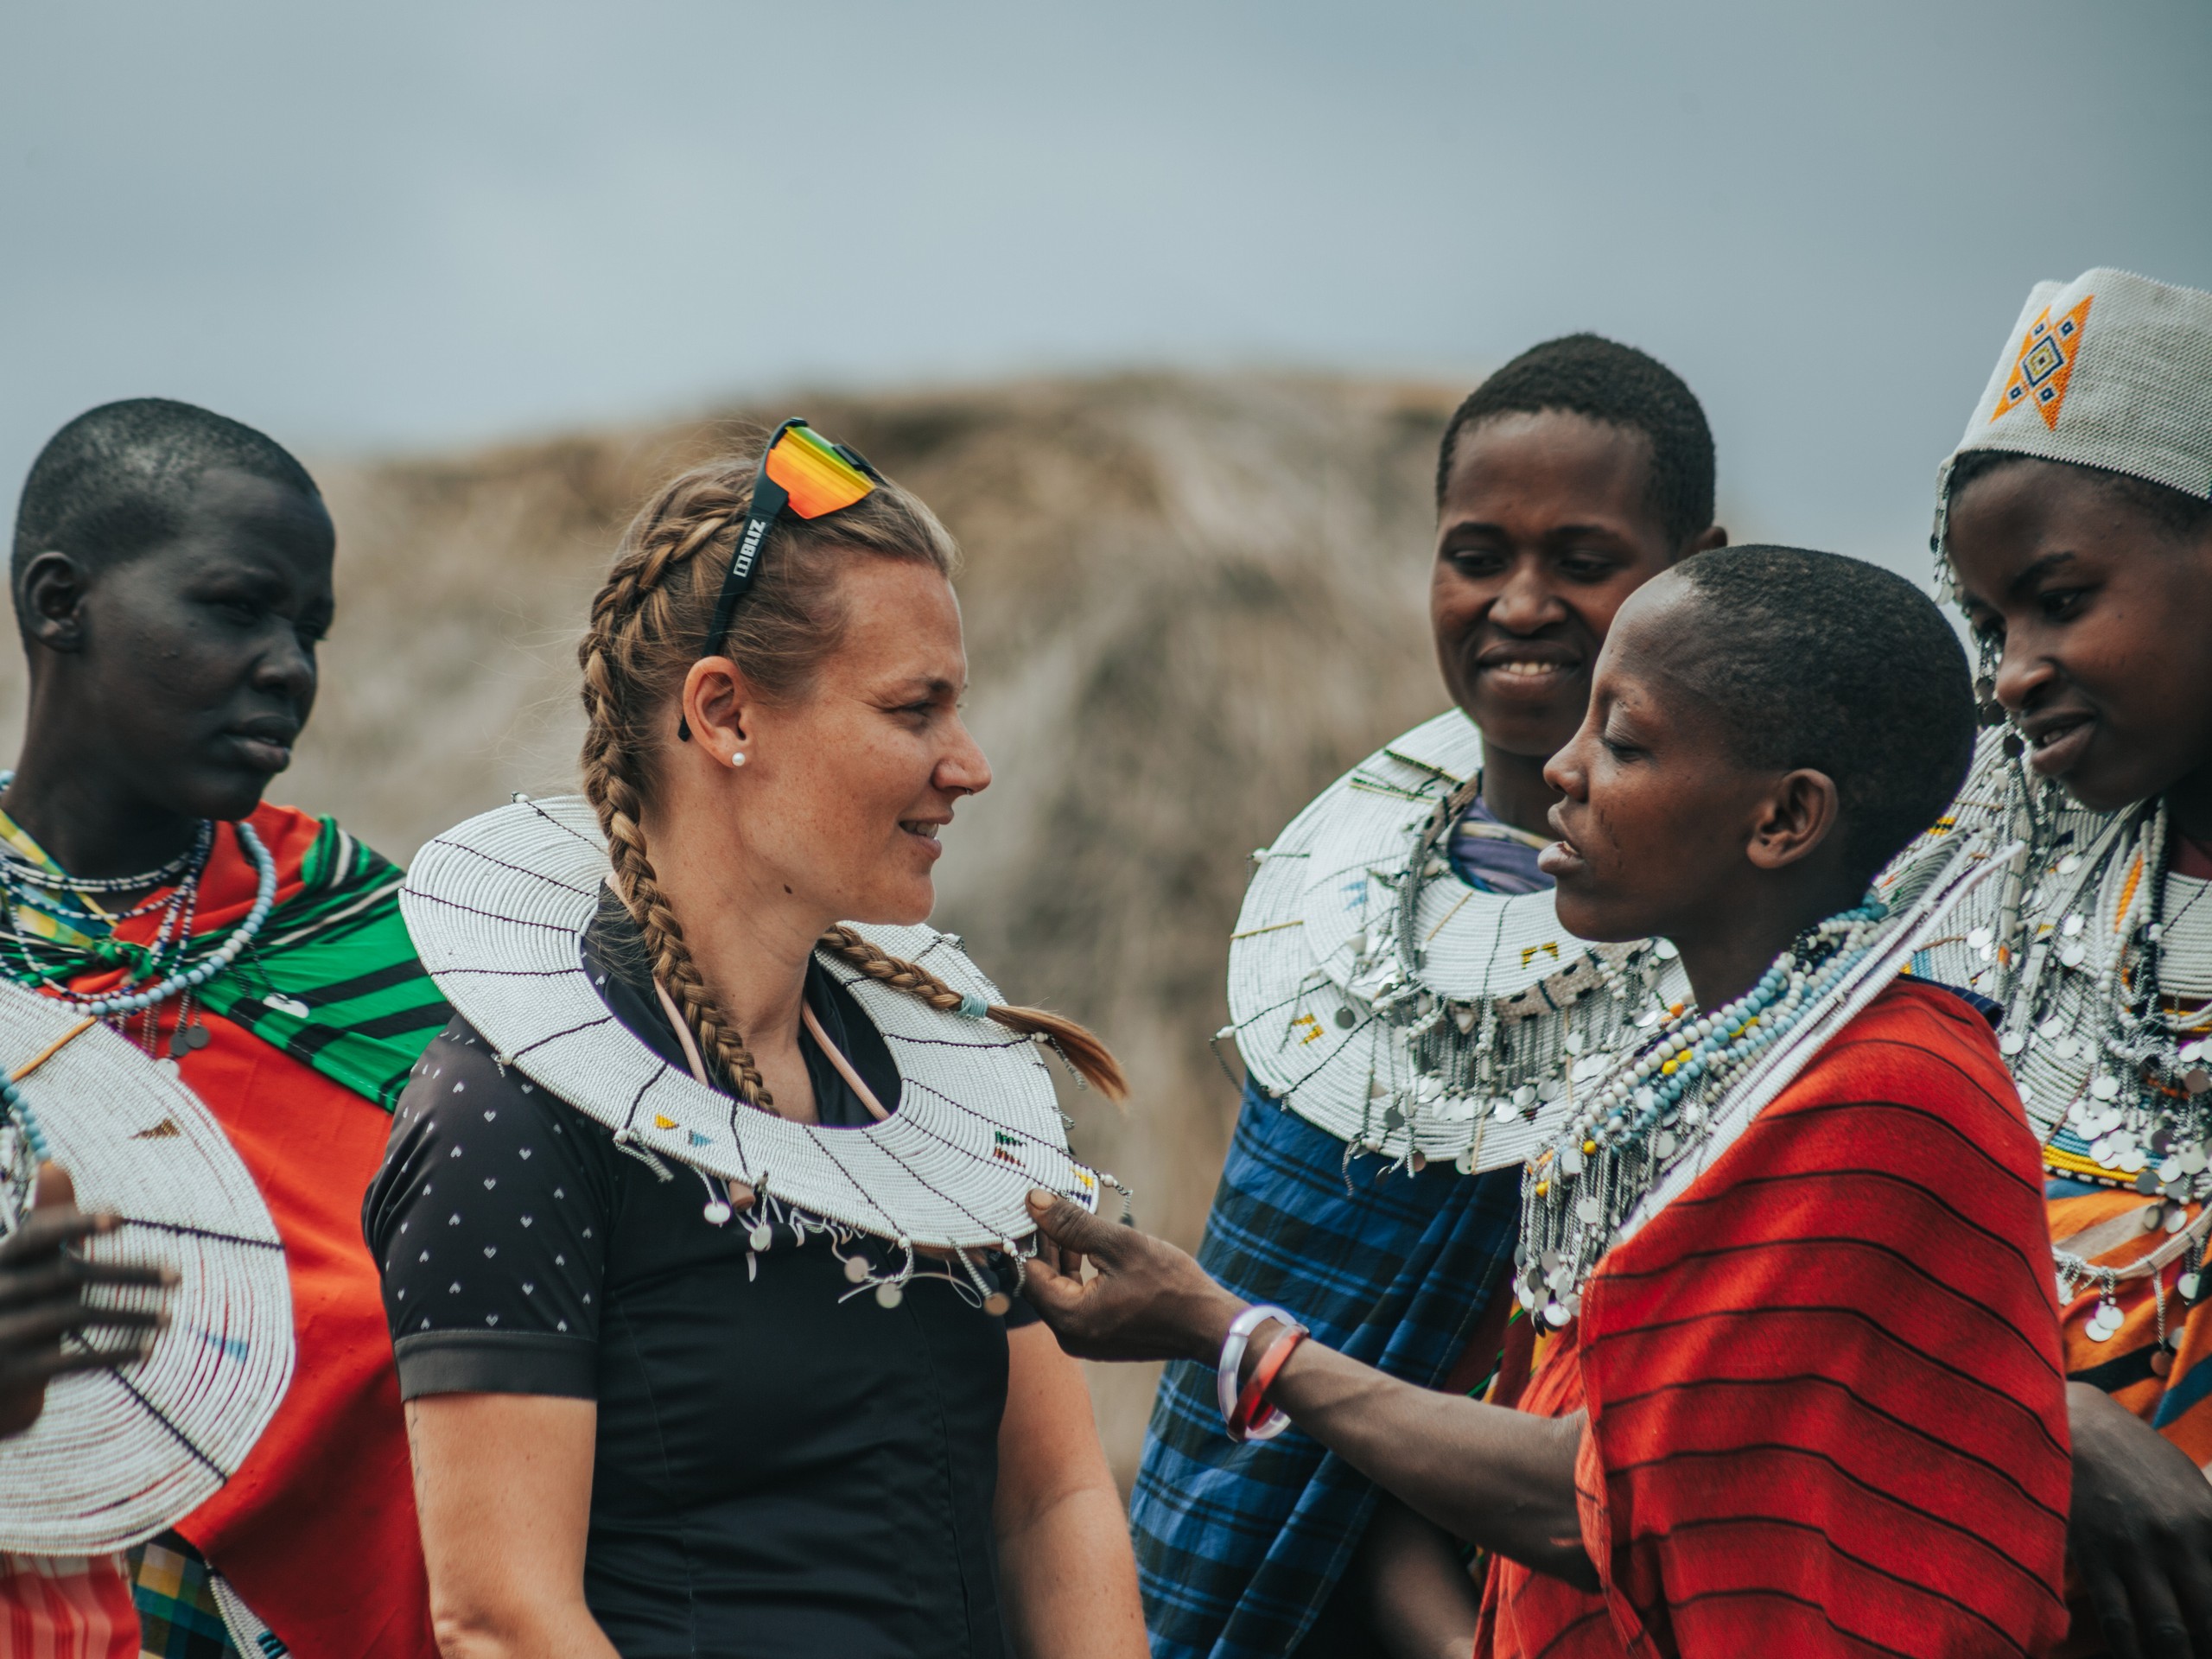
[1653,1107]
[27,887]
[1380,997]
[2101,958]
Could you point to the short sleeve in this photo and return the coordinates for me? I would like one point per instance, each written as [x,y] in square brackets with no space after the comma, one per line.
[489,1222]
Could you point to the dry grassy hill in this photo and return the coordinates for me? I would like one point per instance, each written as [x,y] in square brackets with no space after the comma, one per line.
[1190,602]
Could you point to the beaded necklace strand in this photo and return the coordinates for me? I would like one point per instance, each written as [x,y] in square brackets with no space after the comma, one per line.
[1655,1107]
[21,883]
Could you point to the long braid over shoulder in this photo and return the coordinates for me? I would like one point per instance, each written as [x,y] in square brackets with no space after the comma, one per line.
[1078,1044]
[647,625]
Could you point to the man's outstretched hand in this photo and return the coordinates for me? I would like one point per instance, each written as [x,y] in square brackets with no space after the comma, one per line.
[46,1327]
[1145,1298]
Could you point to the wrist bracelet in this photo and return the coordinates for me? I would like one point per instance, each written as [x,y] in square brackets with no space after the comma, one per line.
[1255,1418]
[1232,1359]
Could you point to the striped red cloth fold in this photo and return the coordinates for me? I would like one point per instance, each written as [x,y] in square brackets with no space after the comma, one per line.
[65,1607]
[1826,1411]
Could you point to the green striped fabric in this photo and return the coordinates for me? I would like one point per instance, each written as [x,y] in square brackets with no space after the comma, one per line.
[333,981]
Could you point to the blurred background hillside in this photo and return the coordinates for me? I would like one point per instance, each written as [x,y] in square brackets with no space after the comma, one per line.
[1161,305]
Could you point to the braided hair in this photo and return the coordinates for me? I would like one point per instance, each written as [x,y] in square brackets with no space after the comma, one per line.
[647,623]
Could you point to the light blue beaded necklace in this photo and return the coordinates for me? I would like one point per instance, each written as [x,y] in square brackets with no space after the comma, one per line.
[25,1150]
[136,999]
[1655,1107]
[14,1108]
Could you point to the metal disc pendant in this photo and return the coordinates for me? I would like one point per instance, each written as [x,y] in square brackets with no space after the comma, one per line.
[998,1304]
[855,1269]
[2188,1285]
[2162,1362]
[716,1212]
[759,1238]
[888,1294]
[1555,1314]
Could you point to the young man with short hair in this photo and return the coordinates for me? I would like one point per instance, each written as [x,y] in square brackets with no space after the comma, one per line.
[1796,1390]
[171,577]
[1575,475]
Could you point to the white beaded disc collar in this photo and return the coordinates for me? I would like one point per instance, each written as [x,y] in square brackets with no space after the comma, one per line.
[1329,1022]
[120,1455]
[497,907]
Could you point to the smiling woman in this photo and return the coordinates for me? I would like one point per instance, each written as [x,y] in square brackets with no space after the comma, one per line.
[737,1407]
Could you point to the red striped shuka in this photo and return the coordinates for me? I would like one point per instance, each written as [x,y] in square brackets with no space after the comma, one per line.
[1826,1411]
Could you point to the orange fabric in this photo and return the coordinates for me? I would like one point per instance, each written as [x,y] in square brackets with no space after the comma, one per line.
[67,1608]
[2044,364]
[2121,1364]
[1826,1412]
[317,1530]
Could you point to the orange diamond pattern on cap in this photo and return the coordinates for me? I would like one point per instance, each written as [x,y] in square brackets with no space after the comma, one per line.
[2048,353]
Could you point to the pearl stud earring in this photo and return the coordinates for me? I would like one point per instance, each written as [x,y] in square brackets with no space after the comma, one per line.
[737,757]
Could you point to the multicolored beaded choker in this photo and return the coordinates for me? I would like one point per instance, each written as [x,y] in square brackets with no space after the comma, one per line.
[1654,1109]
[53,950]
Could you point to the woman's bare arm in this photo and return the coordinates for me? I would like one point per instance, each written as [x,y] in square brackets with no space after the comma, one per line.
[503,1484]
[1065,1565]
[1502,1479]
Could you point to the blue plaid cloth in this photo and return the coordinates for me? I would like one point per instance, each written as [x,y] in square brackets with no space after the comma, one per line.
[1239,1547]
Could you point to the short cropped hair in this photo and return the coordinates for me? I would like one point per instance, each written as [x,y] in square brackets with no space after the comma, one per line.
[115,480]
[1817,660]
[2176,511]
[1606,381]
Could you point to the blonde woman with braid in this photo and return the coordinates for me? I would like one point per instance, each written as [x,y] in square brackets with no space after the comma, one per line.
[701,1226]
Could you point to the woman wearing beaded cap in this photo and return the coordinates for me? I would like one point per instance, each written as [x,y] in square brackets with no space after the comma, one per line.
[2075,529]
[685,1374]
[1799,1389]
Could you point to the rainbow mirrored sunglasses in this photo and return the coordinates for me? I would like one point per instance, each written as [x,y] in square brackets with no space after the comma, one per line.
[801,471]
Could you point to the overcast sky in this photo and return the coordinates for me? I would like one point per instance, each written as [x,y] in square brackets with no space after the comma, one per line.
[401,226]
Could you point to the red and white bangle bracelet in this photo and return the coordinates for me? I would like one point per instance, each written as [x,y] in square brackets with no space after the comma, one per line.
[1246,1413]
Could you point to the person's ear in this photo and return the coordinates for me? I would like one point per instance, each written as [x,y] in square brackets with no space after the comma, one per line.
[50,600]
[1706,540]
[717,709]
[1797,816]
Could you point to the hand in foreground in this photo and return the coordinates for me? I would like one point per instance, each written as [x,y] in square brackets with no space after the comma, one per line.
[46,1324]
[1147,1300]
[2140,1532]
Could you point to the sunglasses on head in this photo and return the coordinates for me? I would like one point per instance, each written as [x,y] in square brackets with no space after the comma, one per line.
[802,473]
